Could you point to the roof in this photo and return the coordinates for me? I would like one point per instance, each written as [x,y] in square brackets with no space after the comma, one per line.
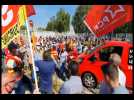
[120,42]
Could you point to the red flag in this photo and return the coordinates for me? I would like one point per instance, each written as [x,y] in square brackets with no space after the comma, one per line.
[30,10]
[102,19]
[9,16]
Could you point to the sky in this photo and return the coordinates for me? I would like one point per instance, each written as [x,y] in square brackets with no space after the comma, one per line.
[45,12]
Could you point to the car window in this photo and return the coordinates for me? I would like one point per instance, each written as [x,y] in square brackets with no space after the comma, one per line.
[105,53]
[130,57]
[91,58]
[91,51]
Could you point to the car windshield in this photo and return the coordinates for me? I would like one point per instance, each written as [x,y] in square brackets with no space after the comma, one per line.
[90,51]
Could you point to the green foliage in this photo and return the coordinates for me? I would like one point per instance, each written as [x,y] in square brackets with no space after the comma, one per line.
[40,29]
[126,28]
[77,21]
[51,26]
[60,22]
[79,26]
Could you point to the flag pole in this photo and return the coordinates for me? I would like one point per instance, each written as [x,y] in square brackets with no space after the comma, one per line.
[89,28]
[30,44]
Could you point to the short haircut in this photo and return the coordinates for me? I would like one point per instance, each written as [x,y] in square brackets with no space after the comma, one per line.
[73,67]
[111,70]
[47,54]
[115,59]
[12,46]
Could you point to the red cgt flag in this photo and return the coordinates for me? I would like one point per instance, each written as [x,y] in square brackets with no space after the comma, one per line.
[30,10]
[9,16]
[102,19]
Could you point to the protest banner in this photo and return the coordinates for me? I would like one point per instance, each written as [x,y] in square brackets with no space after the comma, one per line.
[30,44]
[102,19]
[9,24]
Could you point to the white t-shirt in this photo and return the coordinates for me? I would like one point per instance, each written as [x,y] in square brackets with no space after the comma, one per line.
[72,86]
[122,77]
[63,56]
[105,89]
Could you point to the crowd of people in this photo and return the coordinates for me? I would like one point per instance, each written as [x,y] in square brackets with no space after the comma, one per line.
[56,57]
[15,66]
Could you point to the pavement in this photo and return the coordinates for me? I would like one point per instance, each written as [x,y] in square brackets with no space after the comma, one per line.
[90,91]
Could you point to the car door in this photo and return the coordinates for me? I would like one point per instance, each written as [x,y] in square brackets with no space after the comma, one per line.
[102,56]
[95,65]
[127,65]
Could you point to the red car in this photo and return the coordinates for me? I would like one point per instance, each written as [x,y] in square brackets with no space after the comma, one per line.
[90,65]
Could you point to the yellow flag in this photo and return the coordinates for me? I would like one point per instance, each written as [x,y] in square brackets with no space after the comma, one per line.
[22,15]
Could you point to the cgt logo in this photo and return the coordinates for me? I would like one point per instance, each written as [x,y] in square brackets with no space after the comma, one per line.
[9,15]
[110,13]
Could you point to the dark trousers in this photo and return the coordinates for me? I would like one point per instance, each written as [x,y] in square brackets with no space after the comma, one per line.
[63,72]
[63,69]
[24,84]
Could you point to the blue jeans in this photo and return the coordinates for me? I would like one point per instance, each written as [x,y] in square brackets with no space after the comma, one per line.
[63,69]
[22,84]
[20,89]
[45,92]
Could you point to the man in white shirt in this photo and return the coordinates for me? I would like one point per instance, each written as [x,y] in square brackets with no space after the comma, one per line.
[116,60]
[111,78]
[74,84]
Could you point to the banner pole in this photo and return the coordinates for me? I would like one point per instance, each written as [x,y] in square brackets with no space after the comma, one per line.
[29,39]
[89,28]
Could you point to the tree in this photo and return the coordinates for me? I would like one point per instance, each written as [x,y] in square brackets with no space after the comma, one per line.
[60,22]
[41,29]
[77,21]
[79,26]
[126,28]
[51,24]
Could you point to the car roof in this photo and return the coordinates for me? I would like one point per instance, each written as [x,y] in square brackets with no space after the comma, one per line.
[119,43]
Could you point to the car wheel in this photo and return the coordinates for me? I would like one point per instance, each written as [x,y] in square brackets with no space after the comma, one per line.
[89,80]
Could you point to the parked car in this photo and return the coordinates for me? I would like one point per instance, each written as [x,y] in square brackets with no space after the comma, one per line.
[90,65]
